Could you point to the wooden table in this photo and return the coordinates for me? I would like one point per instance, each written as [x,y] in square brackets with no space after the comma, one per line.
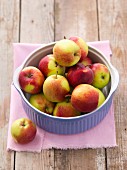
[41,21]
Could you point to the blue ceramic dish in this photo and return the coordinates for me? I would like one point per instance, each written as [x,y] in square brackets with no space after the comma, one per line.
[72,125]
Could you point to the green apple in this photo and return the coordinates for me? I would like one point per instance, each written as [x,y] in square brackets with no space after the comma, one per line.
[40,102]
[66,53]
[55,88]
[49,66]
[101,75]
[23,130]
[101,97]
[65,109]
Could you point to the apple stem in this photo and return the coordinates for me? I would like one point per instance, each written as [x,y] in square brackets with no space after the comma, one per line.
[68,96]
[22,124]
[65,37]
[56,74]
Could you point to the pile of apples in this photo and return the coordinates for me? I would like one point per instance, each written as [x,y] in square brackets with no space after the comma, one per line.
[66,83]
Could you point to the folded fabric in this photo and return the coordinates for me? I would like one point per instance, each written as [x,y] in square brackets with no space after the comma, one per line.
[103,135]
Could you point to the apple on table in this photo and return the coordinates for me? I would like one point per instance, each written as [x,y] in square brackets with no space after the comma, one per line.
[31,79]
[23,130]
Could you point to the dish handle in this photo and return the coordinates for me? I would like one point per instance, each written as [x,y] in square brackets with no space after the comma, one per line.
[16,78]
[115,76]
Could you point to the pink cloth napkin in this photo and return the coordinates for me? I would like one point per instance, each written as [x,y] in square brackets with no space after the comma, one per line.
[103,135]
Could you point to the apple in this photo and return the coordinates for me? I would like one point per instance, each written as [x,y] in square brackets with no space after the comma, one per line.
[23,130]
[79,74]
[31,80]
[66,53]
[40,102]
[55,88]
[49,66]
[65,109]
[85,98]
[101,97]
[86,61]
[101,75]
[82,44]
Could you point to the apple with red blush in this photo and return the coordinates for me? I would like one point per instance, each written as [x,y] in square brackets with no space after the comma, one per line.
[55,88]
[66,52]
[49,66]
[85,98]
[31,79]
[79,74]
[65,109]
[86,61]
[40,102]
[23,130]
[82,44]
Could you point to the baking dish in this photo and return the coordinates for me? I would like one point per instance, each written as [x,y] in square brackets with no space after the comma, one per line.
[71,125]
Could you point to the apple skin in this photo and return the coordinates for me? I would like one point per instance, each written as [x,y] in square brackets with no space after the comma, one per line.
[49,66]
[79,74]
[31,80]
[82,44]
[65,109]
[23,130]
[101,75]
[86,61]
[55,88]
[40,102]
[85,98]
[101,97]
[66,53]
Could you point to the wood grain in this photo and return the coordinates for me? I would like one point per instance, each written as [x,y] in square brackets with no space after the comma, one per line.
[9,28]
[80,159]
[113,27]
[37,21]
[32,161]
[37,26]
[44,21]
[77,18]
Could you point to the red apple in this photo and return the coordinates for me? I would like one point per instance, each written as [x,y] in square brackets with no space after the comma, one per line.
[82,44]
[85,98]
[65,109]
[31,80]
[55,88]
[86,61]
[66,53]
[79,74]
[23,130]
[49,66]
[101,75]
[40,102]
